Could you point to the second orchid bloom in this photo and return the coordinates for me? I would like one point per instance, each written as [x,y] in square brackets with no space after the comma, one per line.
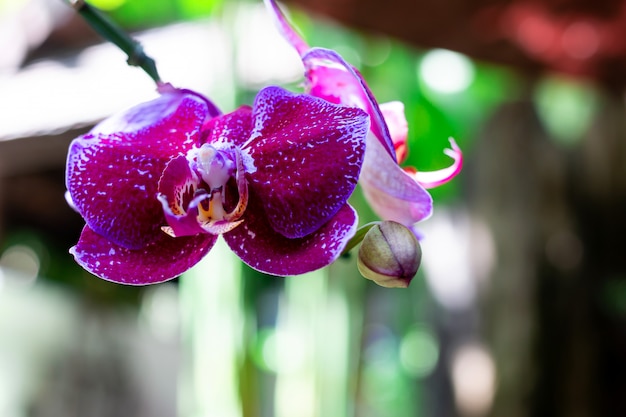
[394,193]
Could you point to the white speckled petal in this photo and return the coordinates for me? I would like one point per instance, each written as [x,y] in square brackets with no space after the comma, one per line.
[113,171]
[265,250]
[162,259]
[233,127]
[307,153]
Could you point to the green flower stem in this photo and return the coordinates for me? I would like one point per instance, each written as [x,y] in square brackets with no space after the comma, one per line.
[114,34]
[358,237]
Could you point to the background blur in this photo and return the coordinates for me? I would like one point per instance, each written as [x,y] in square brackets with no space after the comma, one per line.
[519,307]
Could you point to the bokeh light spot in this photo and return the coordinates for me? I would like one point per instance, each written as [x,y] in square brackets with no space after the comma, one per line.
[446,71]
[161,311]
[566,107]
[580,40]
[282,351]
[23,261]
[474,379]
[419,352]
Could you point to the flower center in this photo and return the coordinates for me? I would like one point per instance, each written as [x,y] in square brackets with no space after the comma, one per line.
[216,167]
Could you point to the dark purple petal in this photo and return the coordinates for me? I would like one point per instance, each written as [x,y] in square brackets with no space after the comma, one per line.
[233,127]
[113,171]
[307,154]
[212,109]
[333,79]
[162,259]
[391,192]
[265,250]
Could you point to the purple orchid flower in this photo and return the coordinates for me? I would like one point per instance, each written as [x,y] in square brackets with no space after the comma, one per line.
[158,184]
[394,193]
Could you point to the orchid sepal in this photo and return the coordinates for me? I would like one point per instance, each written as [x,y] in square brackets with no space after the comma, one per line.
[326,86]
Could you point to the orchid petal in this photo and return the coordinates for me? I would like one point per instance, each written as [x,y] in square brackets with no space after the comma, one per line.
[232,128]
[393,112]
[257,243]
[162,259]
[308,154]
[153,113]
[392,193]
[285,29]
[333,79]
[113,171]
[212,109]
[436,178]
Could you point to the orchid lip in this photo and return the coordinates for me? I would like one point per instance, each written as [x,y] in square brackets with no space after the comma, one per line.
[205,173]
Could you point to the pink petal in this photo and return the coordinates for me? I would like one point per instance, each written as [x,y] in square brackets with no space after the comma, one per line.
[392,193]
[395,119]
[153,113]
[436,178]
[162,259]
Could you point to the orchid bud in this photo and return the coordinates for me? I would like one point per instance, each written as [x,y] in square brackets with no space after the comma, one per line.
[389,255]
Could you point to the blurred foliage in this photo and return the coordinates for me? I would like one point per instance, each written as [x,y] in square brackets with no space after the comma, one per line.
[147,13]
[58,266]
